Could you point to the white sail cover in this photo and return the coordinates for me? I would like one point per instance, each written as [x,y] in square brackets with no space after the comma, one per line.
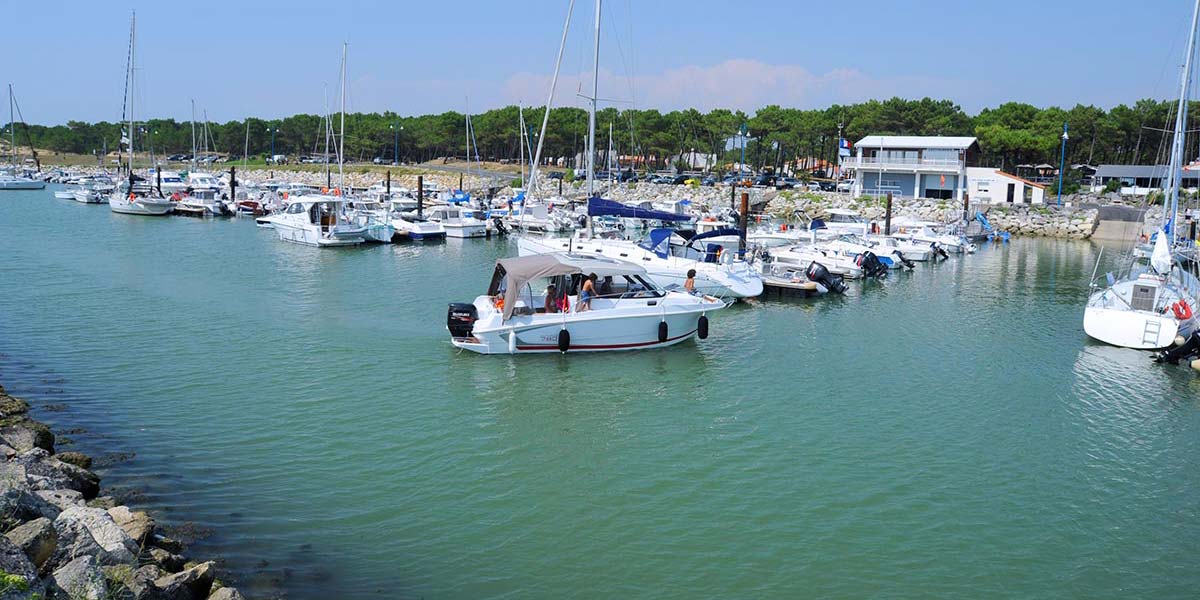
[1161,258]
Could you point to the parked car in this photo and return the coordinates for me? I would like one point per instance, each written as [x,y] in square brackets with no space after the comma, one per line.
[787,183]
[378,160]
[679,179]
[814,186]
[845,185]
[827,186]
[626,176]
[554,175]
[765,179]
[709,180]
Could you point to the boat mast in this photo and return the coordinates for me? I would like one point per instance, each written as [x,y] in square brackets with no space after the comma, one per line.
[12,127]
[521,141]
[341,143]
[132,92]
[537,157]
[193,134]
[1171,202]
[591,157]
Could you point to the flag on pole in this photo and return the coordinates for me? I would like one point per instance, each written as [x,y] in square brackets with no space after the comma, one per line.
[844,147]
[943,180]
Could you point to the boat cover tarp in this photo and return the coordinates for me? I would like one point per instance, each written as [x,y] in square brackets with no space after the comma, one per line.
[521,270]
[659,242]
[600,207]
[718,232]
[459,196]
[1161,258]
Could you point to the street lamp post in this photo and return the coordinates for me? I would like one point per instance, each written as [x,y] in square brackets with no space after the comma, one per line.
[273,130]
[1062,163]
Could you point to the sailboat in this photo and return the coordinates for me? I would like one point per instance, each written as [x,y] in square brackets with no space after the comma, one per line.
[136,196]
[1153,302]
[12,181]
[666,256]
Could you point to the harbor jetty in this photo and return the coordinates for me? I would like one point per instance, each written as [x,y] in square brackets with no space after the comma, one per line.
[65,539]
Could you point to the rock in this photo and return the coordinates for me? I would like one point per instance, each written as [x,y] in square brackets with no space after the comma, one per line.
[169,561]
[105,502]
[140,583]
[14,563]
[11,407]
[81,579]
[63,499]
[192,584]
[78,459]
[137,524]
[19,505]
[27,434]
[114,545]
[36,539]
[226,593]
[49,473]
[166,543]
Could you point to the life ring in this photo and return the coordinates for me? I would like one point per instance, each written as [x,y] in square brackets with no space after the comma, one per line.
[1182,310]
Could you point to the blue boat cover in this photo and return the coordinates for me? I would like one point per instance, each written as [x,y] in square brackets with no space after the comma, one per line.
[658,242]
[816,224]
[459,196]
[599,207]
[719,232]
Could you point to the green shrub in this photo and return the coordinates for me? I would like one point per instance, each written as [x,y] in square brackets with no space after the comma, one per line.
[1113,185]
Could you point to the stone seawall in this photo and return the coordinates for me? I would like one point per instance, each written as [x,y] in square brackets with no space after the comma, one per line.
[64,540]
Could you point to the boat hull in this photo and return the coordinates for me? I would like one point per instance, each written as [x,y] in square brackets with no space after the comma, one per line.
[1136,329]
[141,206]
[600,335]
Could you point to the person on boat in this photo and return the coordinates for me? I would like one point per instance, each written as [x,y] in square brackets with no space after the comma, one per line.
[587,292]
[689,284]
[551,303]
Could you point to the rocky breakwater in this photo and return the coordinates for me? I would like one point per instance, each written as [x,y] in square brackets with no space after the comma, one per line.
[1043,220]
[63,540]
[1050,221]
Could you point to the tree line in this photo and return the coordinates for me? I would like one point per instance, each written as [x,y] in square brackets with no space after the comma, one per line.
[1009,134]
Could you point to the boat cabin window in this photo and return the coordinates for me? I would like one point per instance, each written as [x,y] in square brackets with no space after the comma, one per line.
[295,209]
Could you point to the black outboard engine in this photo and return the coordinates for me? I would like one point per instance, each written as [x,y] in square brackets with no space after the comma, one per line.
[908,264]
[501,228]
[871,265]
[818,273]
[460,319]
[938,250]
[1189,348]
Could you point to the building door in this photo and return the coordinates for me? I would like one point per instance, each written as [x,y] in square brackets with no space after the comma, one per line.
[1012,192]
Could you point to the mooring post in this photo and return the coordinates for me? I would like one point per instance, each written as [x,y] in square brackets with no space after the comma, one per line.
[560,186]
[887,216]
[389,183]
[460,178]
[733,195]
[158,179]
[743,219]
[966,205]
[233,184]
[420,195]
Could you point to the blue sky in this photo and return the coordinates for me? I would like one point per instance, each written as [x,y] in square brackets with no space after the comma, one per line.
[269,59]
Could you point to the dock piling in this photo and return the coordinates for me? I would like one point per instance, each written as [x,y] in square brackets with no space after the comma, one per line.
[232,184]
[887,216]
[743,219]
[420,195]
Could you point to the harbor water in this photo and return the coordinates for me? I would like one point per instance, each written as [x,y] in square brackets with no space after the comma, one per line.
[301,413]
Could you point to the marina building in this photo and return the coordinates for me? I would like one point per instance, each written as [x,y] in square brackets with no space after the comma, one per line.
[985,184]
[912,166]
[1140,180]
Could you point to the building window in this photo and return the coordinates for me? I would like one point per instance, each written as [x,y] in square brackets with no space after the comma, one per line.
[983,187]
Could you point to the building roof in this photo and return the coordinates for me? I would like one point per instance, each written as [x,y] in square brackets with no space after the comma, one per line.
[917,141]
[1021,179]
[1134,171]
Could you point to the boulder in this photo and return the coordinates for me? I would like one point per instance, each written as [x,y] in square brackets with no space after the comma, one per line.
[169,561]
[11,407]
[141,583]
[225,593]
[104,502]
[19,505]
[62,499]
[166,543]
[80,579]
[78,459]
[36,539]
[114,546]
[26,434]
[49,473]
[14,564]
[137,524]
[192,584]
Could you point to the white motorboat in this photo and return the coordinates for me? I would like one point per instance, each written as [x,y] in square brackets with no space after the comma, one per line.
[318,220]
[667,258]
[15,182]
[801,256]
[842,220]
[917,251]
[458,222]
[374,217]
[67,193]
[628,311]
[853,247]
[412,226]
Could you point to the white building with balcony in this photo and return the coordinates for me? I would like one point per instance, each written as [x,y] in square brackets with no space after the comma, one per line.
[912,166]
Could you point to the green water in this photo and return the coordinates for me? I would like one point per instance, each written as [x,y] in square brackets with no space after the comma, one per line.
[949,432]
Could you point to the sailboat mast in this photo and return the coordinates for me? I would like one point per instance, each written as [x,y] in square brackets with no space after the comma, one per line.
[591,158]
[132,91]
[537,157]
[12,127]
[521,141]
[193,134]
[342,141]
[1176,163]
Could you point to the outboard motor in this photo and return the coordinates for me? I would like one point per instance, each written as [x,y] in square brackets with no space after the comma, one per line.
[819,274]
[501,228]
[1188,349]
[871,265]
[908,264]
[460,319]
[939,251]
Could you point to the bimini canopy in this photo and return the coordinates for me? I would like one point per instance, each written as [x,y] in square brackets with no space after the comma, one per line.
[521,270]
[600,207]
[459,196]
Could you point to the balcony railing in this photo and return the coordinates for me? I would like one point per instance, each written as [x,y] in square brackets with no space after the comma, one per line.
[873,162]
